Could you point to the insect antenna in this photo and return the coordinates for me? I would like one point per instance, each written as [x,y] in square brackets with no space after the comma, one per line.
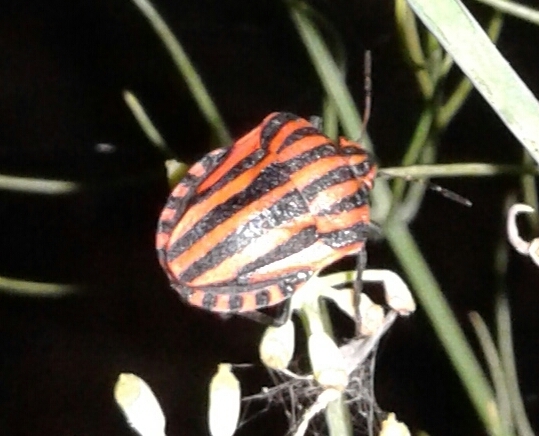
[444,192]
[449,194]
[367,88]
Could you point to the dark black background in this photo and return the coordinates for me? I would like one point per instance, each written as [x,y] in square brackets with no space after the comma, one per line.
[63,68]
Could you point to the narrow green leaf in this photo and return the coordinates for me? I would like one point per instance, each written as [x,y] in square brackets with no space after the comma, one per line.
[491,74]
[187,70]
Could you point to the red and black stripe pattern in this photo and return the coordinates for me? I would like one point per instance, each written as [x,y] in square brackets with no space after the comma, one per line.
[251,223]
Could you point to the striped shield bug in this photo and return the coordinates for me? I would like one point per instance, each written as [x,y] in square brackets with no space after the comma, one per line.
[251,223]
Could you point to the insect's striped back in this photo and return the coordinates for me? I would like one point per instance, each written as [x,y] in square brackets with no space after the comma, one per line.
[264,214]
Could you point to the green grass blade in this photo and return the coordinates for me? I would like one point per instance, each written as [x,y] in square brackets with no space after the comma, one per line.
[328,70]
[445,324]
[494,364]
[187,71]
[515,9]
[30,288]
[461,35]
[144,121]
[507,354]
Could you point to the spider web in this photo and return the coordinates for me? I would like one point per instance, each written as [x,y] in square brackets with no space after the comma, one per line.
[296,394]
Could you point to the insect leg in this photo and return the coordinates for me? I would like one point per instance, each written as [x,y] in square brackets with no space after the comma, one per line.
[284,315]
[275,321]
[358,287]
